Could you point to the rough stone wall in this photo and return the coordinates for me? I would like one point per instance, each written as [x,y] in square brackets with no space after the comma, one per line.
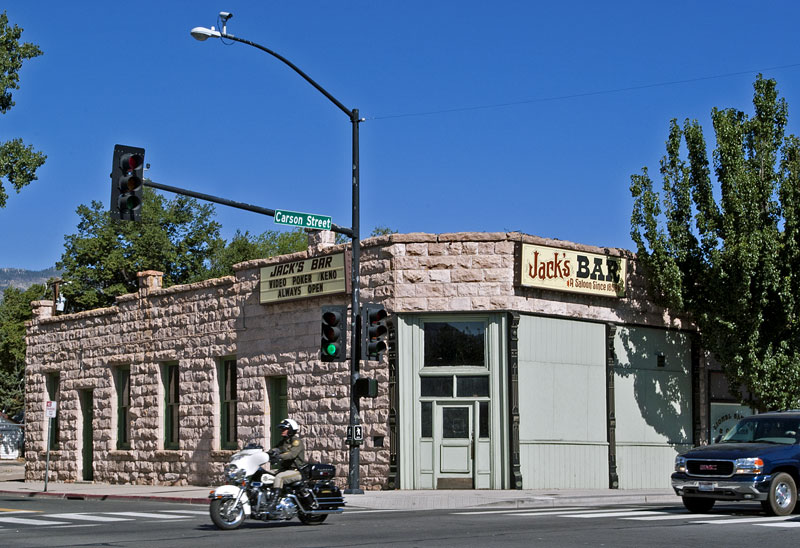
[464,272]
[198,325]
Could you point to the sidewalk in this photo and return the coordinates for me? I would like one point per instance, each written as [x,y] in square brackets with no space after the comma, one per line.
[11,484]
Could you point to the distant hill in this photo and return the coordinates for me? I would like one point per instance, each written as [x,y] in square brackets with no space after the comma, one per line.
[23,279]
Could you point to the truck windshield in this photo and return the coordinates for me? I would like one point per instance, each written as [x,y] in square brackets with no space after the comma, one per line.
[764,430]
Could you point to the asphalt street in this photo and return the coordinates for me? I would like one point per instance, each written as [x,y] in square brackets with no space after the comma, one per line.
[45,522]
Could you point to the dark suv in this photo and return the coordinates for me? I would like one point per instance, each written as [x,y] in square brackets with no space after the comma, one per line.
[759,459]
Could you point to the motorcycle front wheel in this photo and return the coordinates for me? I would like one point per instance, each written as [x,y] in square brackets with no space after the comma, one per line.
[308,519]
[226,514]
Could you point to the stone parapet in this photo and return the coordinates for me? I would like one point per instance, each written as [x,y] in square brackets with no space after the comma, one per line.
[200,325]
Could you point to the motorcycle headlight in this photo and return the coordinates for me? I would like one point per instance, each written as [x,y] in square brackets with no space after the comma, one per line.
[749,466]
[233,473]
[680,464]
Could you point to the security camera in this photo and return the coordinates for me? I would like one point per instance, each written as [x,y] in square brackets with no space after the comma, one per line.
[224,15]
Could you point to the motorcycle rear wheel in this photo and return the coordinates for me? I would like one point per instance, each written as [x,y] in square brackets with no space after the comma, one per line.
[308,519]
[225,515]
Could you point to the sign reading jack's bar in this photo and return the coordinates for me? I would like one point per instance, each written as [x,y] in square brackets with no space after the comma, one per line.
[576,271]
[314,277]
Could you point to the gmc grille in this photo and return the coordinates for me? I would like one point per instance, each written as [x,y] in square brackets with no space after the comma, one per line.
[709,468]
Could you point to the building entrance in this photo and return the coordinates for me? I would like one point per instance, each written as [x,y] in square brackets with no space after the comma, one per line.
[455,438]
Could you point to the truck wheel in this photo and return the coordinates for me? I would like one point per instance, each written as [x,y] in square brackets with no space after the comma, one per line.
[698,505]
[782,496]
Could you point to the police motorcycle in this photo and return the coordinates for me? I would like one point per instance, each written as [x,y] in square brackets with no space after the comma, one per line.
[249,492]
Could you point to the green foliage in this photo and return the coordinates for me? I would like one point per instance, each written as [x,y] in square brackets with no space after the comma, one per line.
[732,266]
[382,231]
[15,310]
[245,247]
[177,237]
[18,162]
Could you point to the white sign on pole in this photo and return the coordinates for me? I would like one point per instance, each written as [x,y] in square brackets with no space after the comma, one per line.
[50,409]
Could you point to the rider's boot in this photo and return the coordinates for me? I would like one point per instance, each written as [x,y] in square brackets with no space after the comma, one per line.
[272,503]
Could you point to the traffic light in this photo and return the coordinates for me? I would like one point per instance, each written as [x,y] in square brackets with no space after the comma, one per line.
[366,388]
[374,328]
[332,343]
[127,181]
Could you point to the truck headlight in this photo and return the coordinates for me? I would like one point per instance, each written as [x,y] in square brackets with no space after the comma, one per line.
[752,465]
[680,464]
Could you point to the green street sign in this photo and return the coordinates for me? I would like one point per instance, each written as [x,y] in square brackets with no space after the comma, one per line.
[305,220]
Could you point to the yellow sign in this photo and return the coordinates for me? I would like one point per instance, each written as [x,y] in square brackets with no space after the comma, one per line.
[305,278]
[576,271]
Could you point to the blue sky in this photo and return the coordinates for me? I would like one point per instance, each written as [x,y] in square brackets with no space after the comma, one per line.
[480,116]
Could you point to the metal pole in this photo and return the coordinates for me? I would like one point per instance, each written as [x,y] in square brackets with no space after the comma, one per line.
[355,338]
[47,459]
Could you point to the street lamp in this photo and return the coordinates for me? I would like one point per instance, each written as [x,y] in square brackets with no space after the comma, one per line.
[201,34]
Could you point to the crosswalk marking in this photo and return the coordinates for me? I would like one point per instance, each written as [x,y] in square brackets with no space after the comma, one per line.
[617,514]
[29,521]
[676,515]
[87,517]
[517,511]
[566,514]
[641,514]
[760,520]
[145,515]
[69,519]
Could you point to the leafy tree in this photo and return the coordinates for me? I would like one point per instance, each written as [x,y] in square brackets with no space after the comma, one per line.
[382,231]
[177,237]
[731,264]
[18,162]
[244,247]
[15,310]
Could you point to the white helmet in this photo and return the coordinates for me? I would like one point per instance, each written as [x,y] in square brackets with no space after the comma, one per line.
[290,425]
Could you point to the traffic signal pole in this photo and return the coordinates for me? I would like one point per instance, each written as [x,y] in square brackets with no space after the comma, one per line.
[201,34]
[355,333]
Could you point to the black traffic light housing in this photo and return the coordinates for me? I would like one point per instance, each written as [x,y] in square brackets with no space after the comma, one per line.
[332,342]
[374,331]
[366,387]
[127,182]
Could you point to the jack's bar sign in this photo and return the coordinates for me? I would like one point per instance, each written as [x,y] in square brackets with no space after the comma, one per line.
[575,271]
[323,275]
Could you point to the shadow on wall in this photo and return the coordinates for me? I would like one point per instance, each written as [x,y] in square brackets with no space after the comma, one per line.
[659,365]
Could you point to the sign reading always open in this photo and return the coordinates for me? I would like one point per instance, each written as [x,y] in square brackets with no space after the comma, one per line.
[304,278]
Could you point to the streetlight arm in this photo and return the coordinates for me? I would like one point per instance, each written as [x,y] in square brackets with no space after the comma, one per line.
[306,77]
[200,33]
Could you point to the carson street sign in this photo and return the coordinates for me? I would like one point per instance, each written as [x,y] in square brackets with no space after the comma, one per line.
[305,220]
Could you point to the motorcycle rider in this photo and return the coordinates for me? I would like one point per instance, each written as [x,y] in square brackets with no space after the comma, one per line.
[290,454]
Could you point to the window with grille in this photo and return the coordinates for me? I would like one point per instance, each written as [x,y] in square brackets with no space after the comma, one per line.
[53,381]
[171,406]
[227,390]
[123,381]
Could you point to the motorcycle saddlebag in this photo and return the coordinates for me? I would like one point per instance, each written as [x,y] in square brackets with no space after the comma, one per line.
[322,471]
[328,496]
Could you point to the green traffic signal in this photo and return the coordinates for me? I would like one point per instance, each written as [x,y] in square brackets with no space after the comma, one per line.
[332,341]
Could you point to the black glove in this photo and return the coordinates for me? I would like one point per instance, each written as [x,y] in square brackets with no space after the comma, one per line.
[273,453]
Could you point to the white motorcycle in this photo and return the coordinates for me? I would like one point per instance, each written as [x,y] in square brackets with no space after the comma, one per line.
[249,492]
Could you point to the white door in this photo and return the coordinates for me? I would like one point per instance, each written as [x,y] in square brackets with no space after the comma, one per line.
[454,437]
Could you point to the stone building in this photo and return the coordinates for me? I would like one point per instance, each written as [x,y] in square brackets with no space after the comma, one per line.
[519,362]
